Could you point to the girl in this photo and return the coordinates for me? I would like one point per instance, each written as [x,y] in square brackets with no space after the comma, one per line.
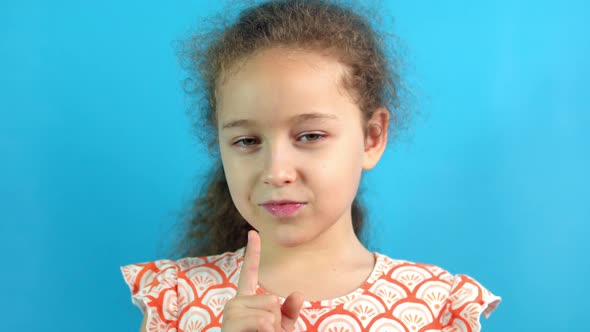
[297,99]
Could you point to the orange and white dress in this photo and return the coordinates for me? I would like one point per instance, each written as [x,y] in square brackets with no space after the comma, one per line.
[189,294]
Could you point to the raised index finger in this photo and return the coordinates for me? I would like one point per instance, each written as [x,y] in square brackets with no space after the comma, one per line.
[249,273]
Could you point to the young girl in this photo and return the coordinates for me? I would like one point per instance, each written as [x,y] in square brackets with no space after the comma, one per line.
[299,95]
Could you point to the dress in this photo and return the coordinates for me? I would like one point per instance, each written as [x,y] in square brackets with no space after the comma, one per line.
[189,295]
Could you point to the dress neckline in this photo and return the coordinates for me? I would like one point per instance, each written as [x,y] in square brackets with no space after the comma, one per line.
[332,302]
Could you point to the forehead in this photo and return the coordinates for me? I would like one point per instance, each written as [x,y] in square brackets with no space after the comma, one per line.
[279,83]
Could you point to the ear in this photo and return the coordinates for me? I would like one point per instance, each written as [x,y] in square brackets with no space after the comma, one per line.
[376,138]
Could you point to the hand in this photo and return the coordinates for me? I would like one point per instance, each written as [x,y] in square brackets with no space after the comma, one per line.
[251,312]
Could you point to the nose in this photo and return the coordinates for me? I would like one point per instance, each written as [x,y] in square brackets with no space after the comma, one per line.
[279,166]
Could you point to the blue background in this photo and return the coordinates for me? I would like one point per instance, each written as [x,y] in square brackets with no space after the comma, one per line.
[97,155]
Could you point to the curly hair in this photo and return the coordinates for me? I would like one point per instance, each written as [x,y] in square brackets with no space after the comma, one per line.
[211,224]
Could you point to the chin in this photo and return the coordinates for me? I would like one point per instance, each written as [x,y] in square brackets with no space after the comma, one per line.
[288,238]
[289,243]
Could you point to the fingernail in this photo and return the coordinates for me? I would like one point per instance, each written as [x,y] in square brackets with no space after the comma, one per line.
[249,236]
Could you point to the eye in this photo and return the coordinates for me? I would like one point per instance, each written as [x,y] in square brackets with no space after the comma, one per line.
[245,140]
[316,136]
[248,142]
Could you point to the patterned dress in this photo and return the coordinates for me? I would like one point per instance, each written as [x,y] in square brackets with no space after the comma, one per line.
[189,295]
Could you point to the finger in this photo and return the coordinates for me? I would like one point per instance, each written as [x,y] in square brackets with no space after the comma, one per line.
[267,328]
[290,310]
[262,321]
[266,302]
[249,320]
[249,273]
[278,314]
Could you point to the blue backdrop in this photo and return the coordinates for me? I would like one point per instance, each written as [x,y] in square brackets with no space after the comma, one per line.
[97,155]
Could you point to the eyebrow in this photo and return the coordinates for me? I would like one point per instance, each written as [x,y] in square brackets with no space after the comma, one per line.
[297,118]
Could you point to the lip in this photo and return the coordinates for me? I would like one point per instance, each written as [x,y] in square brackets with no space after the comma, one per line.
[282,201]
[282,208]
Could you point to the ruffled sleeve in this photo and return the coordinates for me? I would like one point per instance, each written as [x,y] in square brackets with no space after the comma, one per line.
[153,287]
[466,302]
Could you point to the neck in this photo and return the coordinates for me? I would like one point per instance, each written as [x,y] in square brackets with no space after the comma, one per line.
[336,247]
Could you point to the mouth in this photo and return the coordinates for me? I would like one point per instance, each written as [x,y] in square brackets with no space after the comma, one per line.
[283,209]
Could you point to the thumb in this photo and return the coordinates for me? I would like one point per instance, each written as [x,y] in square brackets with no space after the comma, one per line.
[290,310]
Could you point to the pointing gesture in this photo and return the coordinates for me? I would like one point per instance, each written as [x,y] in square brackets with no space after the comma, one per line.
[249,273]
[251,312]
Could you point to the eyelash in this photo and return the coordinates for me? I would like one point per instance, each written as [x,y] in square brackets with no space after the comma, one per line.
[321,138]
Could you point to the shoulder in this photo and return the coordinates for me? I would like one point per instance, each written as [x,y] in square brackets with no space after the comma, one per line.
[164,288]
[141,276]
[458,299]
[225,264]
[411,273]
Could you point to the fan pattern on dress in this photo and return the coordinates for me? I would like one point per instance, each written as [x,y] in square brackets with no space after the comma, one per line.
[189,294]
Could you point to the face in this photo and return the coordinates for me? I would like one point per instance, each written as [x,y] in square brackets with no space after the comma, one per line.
[288,132]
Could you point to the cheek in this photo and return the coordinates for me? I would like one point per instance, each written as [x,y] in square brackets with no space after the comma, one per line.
[238,190]
[234,177]
[342,162]
[230,165]
[338,174]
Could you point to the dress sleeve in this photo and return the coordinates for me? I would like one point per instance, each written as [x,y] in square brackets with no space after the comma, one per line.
[466,302]
[153,287]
